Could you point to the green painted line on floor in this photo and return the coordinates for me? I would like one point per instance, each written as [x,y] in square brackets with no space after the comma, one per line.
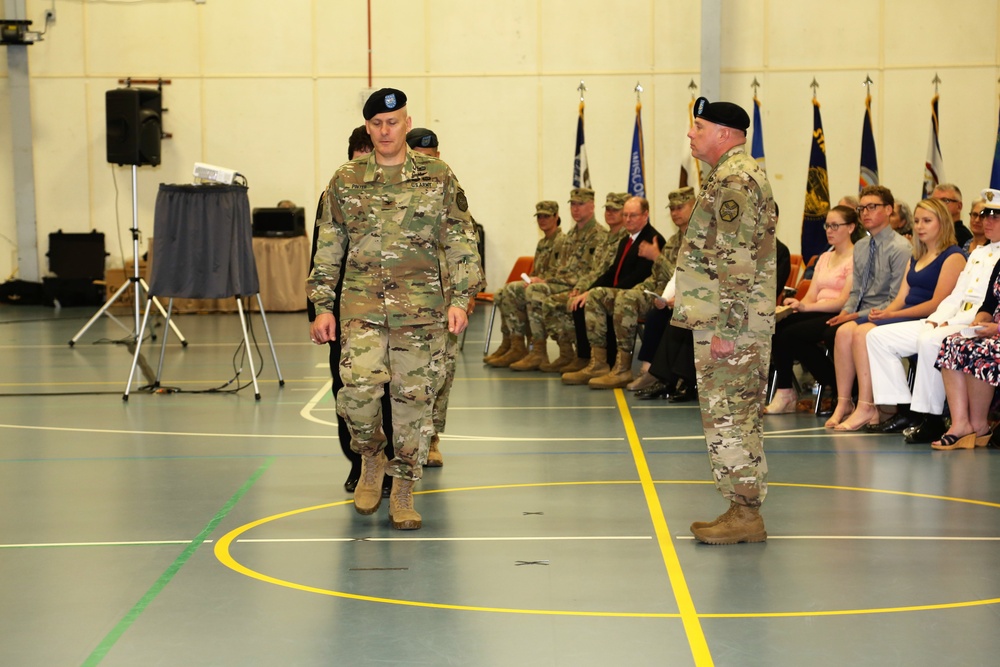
[112,637]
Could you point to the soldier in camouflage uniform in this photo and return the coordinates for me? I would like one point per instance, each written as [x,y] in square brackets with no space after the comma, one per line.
[511,300]
[627,269]
[658,315]
[560,315]
[422,140]
[390,215]
[580,241]
[584,265]
[725,295]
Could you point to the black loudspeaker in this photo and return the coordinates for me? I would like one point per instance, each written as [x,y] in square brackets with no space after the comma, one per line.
[133,125]
[279,222]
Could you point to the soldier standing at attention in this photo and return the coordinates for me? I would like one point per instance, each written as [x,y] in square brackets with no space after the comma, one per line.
[725,295]
[389,218]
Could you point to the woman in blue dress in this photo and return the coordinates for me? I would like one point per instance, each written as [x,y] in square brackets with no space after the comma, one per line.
[934,268]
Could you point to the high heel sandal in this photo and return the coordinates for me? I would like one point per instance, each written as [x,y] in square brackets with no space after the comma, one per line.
[832,422]
[951,441]
[844,426]
[779,407]
[983,440]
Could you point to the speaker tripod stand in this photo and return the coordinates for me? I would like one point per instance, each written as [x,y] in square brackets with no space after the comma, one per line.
[134,281]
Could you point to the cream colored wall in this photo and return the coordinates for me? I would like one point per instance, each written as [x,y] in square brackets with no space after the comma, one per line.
[273,89]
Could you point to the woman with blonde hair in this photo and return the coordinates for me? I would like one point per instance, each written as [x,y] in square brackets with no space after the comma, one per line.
[933,271]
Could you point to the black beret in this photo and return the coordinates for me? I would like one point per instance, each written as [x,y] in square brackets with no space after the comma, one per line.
[383,100]
[722,113]
[421,137]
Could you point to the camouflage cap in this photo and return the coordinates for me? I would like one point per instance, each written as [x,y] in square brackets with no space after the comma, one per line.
[546,207]
[722,113]
[616,200]
[383,100]
[581,195]
[681,196]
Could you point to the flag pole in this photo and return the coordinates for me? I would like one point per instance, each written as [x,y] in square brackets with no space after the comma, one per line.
[637,159]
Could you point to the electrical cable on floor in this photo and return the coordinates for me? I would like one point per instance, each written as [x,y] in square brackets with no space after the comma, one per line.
[239,356]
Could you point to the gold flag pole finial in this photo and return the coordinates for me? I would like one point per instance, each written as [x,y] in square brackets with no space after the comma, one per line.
[936,81]
[815,86]
[638,93]
[755,85]
[867,83]
[693,86]
[582,88]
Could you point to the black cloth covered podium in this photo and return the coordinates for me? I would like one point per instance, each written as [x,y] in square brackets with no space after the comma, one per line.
[202,243]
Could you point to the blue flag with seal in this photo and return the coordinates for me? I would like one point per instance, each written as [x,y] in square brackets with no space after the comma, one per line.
[869,161]
[581,171]
[757,147]
[817,193]
[637,161]
[995,175]
[934,165]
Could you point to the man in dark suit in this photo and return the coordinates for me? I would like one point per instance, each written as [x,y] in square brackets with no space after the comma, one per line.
[592,308]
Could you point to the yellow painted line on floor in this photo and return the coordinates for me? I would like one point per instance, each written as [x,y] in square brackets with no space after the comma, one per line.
[224,545]
[685,604]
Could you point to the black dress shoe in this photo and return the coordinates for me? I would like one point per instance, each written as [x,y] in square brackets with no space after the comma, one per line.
[352,480]
[896,423]
[658,390]
[386,486]
[684,393]
[931,429]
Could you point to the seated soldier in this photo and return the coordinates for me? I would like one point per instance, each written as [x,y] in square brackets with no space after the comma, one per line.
[627,271]
[511,299]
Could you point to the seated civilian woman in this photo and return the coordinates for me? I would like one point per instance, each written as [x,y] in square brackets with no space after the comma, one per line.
[933,271]
[976,226]
[828,292]
[969,365]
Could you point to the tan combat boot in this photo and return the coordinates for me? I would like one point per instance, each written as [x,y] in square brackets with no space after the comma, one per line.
[539,355]
[434,458]
[500,351]
[516,352]
[577,364]
[566,357]
[739,524]
[617,377]
[698,525]
[368,492]
[597,366]
[644,381]
[401,512]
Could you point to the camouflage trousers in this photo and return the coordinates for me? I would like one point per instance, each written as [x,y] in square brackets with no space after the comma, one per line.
[440,414]
[514,308]
[625,306]
[731,396]
[412,360]
[500,305]
[548,315]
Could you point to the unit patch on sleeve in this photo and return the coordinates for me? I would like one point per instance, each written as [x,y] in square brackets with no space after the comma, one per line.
[729,210]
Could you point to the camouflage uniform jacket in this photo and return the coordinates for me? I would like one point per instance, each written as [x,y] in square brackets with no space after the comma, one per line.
[603,259]
[546,254]
[663,271]
[390,235]
[726,266]
[576,254]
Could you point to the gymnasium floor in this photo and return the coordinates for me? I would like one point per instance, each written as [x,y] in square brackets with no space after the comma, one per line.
[213,529]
